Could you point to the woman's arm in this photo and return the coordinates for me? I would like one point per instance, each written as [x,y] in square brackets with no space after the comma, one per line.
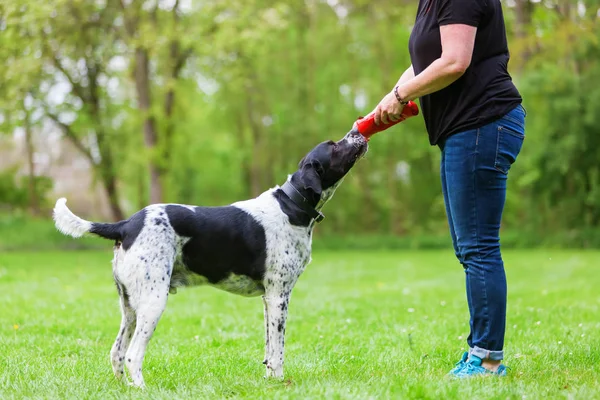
[406,76]
[457,50]
[457,41]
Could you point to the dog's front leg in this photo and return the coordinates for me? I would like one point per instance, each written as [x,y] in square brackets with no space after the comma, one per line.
[276,306]
[267,347]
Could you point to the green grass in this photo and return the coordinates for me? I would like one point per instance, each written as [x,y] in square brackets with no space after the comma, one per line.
[361,325]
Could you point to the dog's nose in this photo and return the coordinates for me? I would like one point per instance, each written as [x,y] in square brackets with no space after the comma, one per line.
[354,136]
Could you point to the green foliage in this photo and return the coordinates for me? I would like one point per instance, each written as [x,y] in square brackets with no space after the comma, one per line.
[10,193]
[14,191]
[19,231]
[254,85]
[562,178]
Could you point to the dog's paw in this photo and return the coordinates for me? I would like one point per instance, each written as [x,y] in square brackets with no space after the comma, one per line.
[274,373]
[118,374]
[138,385]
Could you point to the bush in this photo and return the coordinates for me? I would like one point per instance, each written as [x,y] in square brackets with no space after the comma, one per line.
[19,231]
[14,190]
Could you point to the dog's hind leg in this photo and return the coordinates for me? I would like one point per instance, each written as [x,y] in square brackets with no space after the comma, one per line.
[117,354]
[147,317]
[152,293]
[126,330]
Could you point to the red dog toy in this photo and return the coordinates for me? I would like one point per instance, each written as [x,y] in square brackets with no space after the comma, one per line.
[366,125]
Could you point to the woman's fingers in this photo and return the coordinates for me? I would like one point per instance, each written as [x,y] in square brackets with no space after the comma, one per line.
[385,117]
[388,111]
[377,116]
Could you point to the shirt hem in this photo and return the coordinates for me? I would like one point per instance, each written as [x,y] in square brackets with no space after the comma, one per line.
[475,124]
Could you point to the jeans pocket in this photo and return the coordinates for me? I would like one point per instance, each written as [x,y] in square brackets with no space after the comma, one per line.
[508,148]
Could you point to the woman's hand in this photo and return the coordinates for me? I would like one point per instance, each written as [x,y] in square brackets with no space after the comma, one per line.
[458,41]
[388,110]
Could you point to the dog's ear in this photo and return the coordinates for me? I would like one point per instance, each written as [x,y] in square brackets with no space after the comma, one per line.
[301,162]
[311,176]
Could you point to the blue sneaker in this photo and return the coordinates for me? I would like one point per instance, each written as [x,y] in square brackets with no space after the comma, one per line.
[460,365]
[472,367]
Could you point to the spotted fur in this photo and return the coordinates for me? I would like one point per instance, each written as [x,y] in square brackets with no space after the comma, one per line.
[250,248]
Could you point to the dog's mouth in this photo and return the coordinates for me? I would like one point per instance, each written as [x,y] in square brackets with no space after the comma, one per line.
[361,145]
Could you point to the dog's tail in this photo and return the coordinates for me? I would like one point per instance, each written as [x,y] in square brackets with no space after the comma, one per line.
[70,224]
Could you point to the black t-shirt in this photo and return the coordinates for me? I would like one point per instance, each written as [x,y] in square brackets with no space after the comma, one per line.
[485,92]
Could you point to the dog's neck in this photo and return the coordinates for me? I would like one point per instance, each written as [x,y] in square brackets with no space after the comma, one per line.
[302,201]
[297,212]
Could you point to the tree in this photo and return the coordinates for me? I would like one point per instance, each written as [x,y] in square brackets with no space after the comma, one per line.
[160,41]
[74,67]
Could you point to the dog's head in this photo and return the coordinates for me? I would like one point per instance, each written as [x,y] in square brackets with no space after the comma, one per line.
[324,167]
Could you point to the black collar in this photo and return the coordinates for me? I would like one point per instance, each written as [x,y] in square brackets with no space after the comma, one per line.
[301,201]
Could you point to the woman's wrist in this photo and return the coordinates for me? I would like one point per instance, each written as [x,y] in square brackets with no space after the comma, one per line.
[401,99]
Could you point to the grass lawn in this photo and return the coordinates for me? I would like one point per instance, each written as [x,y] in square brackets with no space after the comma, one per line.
[361,325]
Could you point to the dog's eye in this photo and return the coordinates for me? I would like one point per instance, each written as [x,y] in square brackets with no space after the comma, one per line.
[318,167]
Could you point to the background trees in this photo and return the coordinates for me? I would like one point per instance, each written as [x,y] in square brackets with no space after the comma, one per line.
[209,102]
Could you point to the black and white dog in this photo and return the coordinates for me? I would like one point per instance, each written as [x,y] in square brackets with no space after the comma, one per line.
[251,248]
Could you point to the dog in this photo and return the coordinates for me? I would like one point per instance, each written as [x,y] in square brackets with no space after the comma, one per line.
[256,247]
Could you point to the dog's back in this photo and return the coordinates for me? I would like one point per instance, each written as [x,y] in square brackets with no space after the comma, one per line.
[223,245]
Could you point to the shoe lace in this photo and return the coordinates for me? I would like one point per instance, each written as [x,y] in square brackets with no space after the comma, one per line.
[469,369]
[506,368]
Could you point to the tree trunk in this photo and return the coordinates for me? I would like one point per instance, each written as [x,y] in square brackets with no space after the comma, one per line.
[34,206]
[523,13]
[368,202]
[246,160]
[109,177]
[105,168]
[396,223]
[383,63]
[141,189]
[306,62]
[142,84]
[177,60]
[109,181]
[107,163]
[256,184]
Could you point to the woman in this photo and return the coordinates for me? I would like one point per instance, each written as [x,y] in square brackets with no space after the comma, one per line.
[473,112]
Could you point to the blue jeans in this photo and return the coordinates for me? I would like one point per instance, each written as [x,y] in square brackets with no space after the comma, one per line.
[474,170]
